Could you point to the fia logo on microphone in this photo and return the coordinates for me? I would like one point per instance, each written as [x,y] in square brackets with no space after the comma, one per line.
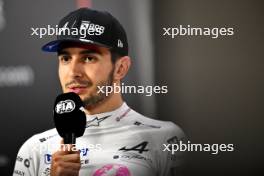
[65,107]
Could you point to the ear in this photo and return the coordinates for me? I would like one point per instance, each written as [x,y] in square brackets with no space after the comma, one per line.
[122,66]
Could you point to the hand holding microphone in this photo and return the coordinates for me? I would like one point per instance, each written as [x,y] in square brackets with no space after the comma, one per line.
[70,122]
[66,161]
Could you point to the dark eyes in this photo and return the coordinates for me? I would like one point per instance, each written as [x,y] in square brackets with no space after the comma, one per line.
[64,58]
[87,59]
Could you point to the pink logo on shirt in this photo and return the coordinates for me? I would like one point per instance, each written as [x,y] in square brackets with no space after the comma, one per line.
[112,170]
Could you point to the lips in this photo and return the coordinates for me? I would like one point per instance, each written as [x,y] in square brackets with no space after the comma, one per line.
[77,89]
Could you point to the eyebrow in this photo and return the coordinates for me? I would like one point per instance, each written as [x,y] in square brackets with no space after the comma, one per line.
[86,51]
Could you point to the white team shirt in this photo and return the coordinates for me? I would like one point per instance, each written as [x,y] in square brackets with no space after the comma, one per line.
[117,143]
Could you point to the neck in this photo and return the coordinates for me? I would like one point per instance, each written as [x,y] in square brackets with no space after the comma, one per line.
[109,104]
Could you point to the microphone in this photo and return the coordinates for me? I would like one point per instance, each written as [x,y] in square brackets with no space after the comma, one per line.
[69,119]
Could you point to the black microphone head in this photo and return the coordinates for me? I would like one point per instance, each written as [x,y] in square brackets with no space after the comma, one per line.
[68,118]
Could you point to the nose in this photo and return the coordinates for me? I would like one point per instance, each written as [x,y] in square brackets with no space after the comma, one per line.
[76,69]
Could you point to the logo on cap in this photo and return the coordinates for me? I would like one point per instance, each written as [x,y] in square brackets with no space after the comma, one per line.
[120,44]
[65,107]
[64,28]
[91,28]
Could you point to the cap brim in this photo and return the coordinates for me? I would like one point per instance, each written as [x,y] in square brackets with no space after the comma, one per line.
[53,46]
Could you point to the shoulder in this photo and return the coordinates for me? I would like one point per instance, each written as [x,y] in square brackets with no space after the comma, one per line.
[46,135]
[40,138]
[166,129]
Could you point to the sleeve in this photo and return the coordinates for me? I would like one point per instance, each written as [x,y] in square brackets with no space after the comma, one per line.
[172,159]
[26,160]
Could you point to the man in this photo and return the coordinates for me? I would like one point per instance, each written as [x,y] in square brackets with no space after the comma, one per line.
[117,140]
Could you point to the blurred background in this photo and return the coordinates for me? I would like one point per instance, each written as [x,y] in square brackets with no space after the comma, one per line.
[215,86]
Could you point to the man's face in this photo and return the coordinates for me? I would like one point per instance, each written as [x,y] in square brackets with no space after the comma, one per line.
[82,69]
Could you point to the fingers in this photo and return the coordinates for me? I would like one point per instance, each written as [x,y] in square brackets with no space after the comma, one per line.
[66,161]
[74,158]
[65,164]
[68,166]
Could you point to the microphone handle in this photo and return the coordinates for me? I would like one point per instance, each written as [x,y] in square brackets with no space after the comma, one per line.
[69,138]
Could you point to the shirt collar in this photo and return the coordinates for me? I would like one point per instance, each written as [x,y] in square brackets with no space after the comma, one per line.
[107,119]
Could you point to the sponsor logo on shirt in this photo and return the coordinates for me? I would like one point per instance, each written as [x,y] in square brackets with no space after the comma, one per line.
[46,172]
[132,156]
[46,138]
[173,140]
[83,153]
[140,123]
[85,161]
[42,139]
[27,163]
[19,159]
[47,158]
[112,169]
[140,148]
[123,115]
[19,172]
[96,121]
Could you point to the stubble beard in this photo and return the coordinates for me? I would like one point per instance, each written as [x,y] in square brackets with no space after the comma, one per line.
[97,97]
